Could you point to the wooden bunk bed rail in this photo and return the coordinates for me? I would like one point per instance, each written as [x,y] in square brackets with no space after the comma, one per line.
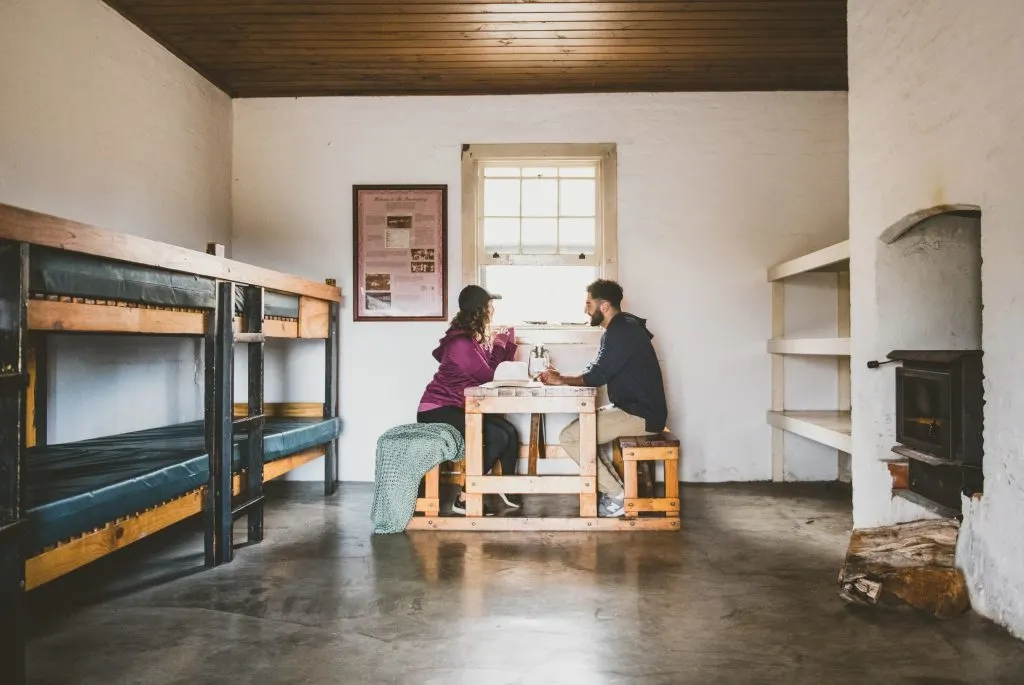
[27,226]
[73,554]
[83,317]
[288,410]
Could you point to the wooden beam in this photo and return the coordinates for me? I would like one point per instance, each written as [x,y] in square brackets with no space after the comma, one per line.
[115,535]
[293,410]
[474,462]
[314,318]
[637,504]
[529,405]
[430,503]
[544,524]
[26,226]
[281,328]
[272,328]
[428,506]
[536,485]
[77,317]
[548,452]
[279,467]
[32,363]
[651,454]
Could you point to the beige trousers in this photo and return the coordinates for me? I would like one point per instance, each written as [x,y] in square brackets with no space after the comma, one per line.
[612,423]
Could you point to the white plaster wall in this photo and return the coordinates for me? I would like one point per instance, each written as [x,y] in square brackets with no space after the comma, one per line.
[936,111]
[713,188]
[100,124]
[928,287]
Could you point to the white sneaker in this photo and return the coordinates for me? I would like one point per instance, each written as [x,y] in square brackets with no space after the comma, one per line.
[507,501]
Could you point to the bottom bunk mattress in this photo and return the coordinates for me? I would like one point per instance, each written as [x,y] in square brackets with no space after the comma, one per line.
[75,487]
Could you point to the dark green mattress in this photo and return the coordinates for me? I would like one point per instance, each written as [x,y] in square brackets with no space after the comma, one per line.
[72,274]
[75,487]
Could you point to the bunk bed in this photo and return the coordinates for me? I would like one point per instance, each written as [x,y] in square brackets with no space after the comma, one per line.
[64,506]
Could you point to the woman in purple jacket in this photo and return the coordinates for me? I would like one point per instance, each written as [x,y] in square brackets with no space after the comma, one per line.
[467,359]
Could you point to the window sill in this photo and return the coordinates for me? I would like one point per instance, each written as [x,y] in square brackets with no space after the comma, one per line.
[551,334]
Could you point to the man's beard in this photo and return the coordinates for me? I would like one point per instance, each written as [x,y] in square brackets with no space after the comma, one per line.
[596,318]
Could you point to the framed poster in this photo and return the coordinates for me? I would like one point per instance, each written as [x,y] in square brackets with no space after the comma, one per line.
[400,235]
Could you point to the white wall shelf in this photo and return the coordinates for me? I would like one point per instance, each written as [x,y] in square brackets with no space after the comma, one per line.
[827,427]
[832,428]
[832,258]
[829,347]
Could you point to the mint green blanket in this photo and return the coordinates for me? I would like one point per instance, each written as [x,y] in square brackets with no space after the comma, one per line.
[404,455]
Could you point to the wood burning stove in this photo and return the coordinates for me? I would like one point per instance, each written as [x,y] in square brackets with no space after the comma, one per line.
[939,419]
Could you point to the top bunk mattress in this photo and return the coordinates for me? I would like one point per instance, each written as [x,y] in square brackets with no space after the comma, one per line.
[72,274]
[75,487]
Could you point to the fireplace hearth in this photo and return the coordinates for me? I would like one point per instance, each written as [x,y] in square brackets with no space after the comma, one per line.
[939,420]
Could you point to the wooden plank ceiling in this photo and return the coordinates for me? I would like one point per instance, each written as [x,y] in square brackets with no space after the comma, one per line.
[263,48]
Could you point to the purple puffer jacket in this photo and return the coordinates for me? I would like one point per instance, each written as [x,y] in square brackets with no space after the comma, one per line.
[465,363]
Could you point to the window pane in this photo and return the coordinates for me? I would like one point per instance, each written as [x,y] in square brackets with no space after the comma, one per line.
[501,235]
[577,172]
[578,198]
[576,235]
[540,236]
[540,197]
[502,171]
[501,197]
[551,294]
[539,172]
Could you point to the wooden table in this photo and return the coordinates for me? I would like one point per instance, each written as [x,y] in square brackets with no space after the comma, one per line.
[544,400]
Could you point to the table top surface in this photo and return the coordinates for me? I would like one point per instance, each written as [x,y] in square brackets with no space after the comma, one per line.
[544,391]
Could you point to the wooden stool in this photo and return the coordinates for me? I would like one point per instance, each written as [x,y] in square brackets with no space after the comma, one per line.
[634,453]
[448,472]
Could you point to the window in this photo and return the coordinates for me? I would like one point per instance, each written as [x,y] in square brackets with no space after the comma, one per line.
[538,227]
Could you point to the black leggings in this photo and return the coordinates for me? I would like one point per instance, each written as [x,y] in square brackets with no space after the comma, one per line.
[501,439]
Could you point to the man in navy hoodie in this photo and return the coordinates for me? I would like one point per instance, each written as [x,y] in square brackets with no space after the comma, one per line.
[627,364]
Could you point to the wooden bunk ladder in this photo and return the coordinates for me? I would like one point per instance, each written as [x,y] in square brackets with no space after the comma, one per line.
[13,385]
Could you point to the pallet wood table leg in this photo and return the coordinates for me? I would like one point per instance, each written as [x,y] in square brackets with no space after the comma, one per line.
[474,461]
[672,478]
[588,461]
[536,436]
[630,482]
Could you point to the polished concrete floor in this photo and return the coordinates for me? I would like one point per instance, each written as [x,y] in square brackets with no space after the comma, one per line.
[745,594]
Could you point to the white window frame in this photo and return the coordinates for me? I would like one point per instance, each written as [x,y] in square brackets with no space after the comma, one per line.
[606,255]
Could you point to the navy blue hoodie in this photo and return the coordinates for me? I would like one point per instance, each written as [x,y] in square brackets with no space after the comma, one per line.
[626,363]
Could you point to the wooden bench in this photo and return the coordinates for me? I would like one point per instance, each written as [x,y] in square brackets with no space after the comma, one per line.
[634,458]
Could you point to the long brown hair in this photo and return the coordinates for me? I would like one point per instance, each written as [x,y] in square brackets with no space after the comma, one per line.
[475,321]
